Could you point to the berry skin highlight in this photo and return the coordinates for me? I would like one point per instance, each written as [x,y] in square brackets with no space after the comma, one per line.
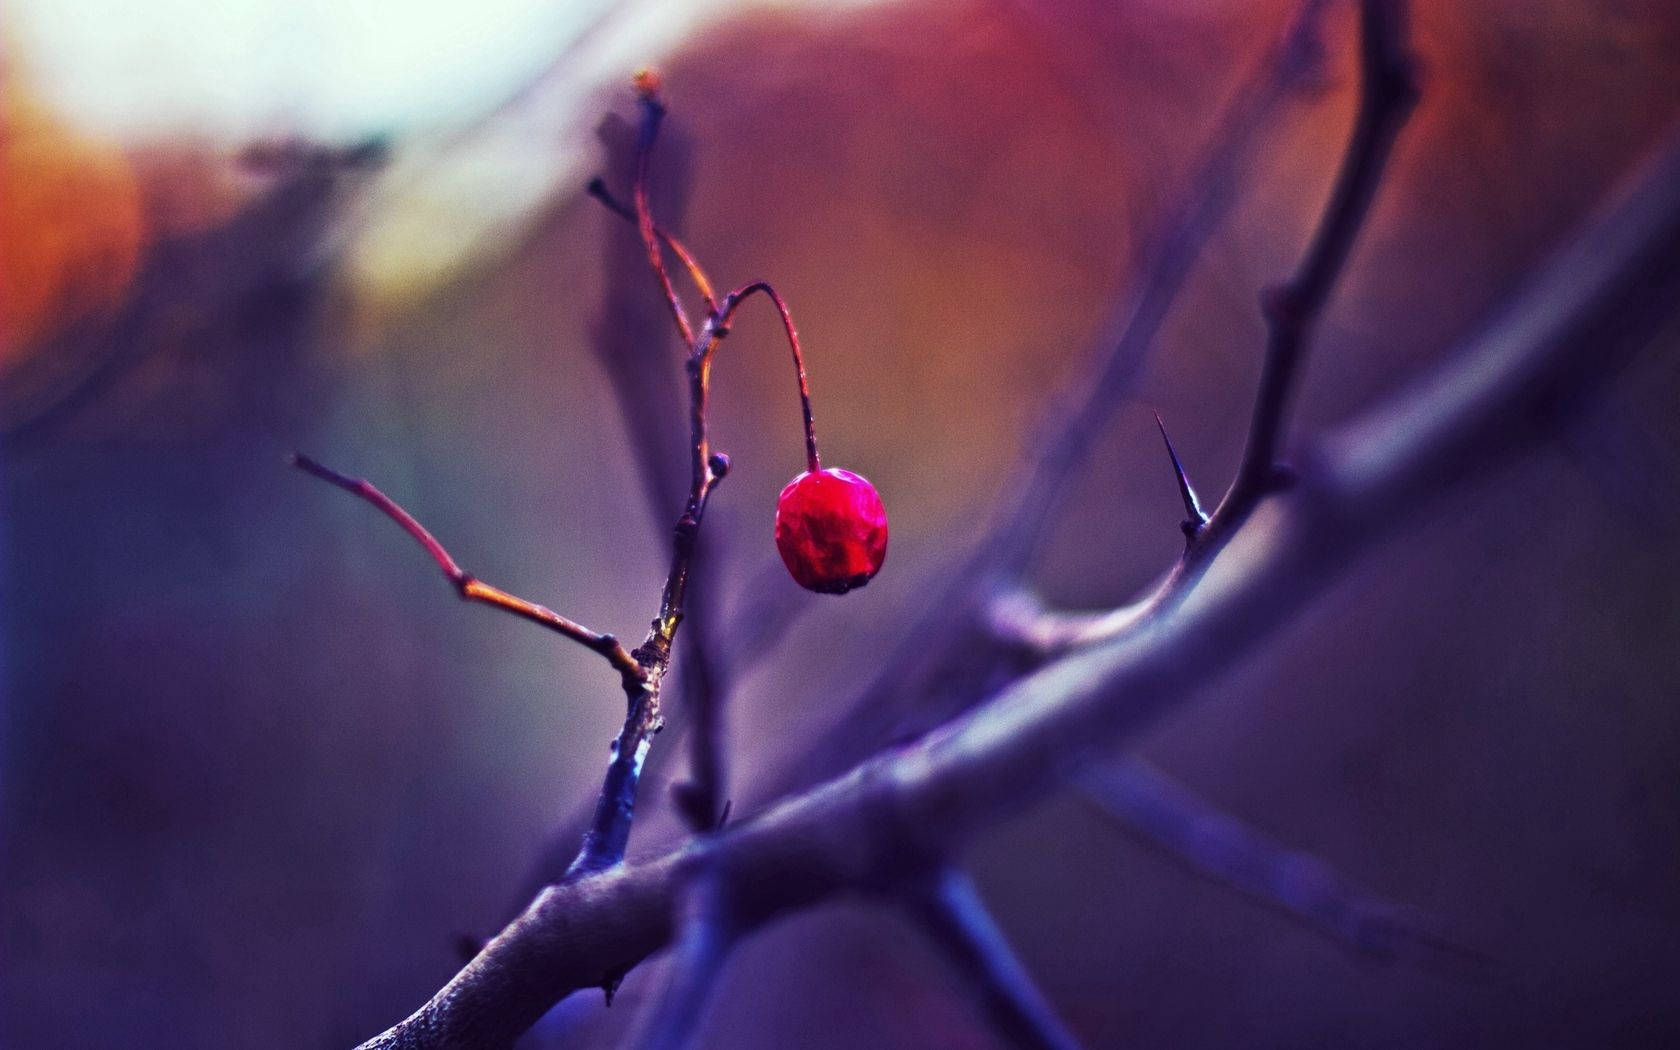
[831,530]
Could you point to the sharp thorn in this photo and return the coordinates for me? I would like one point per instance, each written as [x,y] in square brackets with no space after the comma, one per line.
[1192,506]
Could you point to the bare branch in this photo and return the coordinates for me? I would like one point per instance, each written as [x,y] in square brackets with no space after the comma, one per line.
[1387,94]
[949,909]
[598,189]
[708,934]
[1214,844]
[950,658]
[653,111]
[475,590]
[1596,301]
[1176,247]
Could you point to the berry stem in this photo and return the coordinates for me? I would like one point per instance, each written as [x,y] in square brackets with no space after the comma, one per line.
[813,462]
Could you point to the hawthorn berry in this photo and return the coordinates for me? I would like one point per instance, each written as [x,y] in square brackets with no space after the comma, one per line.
[831,530]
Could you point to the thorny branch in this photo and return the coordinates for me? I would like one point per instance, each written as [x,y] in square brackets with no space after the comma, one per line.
[1388,92]
[854,834]
[950,658]
[1597,301]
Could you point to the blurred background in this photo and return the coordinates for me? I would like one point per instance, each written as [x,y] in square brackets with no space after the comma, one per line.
[261,772]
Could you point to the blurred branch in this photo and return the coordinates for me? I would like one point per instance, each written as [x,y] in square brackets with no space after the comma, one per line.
[1596,301]
[708,934]
[1211,843]
[949,909]
[471,589]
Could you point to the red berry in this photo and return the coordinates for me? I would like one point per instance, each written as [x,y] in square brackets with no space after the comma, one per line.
[831,530]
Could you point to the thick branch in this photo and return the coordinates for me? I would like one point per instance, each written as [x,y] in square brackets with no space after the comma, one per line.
[1597,299]
[949,909]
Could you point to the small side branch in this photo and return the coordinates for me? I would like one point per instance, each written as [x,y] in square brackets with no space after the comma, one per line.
[472,589]
[1149,804]
[948,908]
[1387,93]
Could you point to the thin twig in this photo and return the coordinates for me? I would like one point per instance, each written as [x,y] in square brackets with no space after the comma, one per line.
[947,907]
[598,189]
[653,111]
[475,590]
[813,462]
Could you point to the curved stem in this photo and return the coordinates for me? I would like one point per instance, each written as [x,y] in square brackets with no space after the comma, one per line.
[653,112]
[733,300]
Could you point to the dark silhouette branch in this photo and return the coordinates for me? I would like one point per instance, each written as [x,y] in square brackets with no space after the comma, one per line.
[1387,93]
[1596,301]
[948,908]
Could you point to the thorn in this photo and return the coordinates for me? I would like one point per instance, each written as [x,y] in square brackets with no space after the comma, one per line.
[1192,506]
[609,987]
[723,818]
